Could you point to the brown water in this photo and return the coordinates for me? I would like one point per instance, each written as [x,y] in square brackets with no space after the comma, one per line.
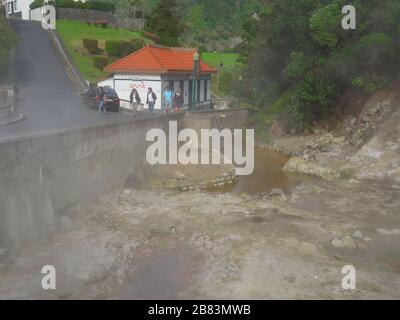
[268,174]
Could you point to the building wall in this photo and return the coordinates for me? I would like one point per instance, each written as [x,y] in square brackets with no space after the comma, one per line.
[124,84]
[22,6]
[36,14]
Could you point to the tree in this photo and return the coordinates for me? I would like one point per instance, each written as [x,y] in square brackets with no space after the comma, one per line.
[164,22]
[300,45]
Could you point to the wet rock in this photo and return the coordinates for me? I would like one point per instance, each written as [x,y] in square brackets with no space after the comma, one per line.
[328,148]
[302,166]
[180,176]
[357,234]
[395,231]
[384,232]
[337,243]
[348,242]
[276,192]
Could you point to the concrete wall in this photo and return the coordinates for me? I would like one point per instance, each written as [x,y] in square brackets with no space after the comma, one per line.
[36,14]
[97,15]
[226,119]
[83,14]
[43,178]
[47,177]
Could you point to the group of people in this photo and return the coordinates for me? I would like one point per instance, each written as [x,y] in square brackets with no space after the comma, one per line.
[172,101]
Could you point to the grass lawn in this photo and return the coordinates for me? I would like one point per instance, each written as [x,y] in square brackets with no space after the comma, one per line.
[228,59]
[73,32]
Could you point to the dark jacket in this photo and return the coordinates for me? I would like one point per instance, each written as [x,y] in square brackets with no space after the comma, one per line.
[137,98]
[178,99]
[154,97]
[100,93]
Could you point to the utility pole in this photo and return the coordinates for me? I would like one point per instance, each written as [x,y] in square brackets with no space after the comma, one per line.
[240,89]
[196,59]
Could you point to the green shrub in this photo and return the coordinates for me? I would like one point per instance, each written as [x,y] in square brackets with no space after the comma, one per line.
[91,45]
[119,48]
[100,62]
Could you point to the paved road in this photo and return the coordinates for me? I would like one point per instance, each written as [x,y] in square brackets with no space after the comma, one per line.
[49,101]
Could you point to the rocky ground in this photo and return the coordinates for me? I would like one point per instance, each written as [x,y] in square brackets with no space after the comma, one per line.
[169,244]
[163,244]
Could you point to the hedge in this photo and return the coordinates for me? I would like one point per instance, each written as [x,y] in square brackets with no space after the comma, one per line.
[119,48]
[91,45]
[100,62]
[89,5]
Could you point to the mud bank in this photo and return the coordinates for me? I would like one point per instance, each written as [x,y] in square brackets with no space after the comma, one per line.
[159,244]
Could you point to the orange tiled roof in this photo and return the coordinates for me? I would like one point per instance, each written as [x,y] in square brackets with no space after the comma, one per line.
[158,60]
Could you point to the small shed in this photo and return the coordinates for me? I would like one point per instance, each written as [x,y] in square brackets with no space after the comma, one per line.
[158,66]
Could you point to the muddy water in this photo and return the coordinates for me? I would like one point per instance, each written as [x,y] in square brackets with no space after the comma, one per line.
[268,174]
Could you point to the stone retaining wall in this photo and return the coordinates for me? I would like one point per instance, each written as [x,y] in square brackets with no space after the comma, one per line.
[44,178]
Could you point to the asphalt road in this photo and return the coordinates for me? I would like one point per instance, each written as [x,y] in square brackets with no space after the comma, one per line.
[49,101]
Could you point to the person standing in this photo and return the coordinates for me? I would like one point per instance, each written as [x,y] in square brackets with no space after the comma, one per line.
[135,101]
[168,99]
[151,100]
[101,100]
[178,100]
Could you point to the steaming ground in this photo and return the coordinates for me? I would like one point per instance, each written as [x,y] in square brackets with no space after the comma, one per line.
[141,244]
[49,101]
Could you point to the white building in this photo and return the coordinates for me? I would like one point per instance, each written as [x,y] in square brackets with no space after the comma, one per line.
[18,8]
[156,67]
[21,8]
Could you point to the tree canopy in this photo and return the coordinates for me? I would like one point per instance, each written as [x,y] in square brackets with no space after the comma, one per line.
[301,45]
[164,21]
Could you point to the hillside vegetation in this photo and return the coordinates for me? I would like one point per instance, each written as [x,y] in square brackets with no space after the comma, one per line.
[301,46]
[8,40]
[73,33]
